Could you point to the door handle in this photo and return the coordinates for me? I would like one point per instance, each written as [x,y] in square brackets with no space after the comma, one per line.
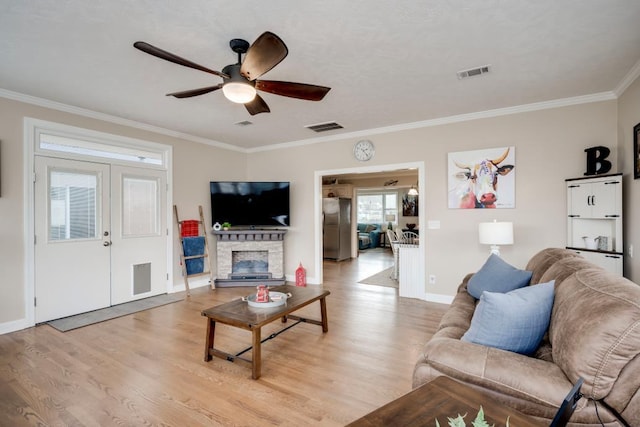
[106,243]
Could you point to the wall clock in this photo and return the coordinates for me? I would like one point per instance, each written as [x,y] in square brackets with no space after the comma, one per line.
[364,150]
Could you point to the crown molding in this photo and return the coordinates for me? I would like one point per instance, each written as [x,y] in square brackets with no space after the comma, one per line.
[41,102]
[564,102]
[631,76]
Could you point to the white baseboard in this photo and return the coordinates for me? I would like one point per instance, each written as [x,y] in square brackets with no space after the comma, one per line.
[14,325]
[310,280]
[439,298]
[193,284]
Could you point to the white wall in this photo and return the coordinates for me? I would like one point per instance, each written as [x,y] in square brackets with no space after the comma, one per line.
[549,148]
[628,117]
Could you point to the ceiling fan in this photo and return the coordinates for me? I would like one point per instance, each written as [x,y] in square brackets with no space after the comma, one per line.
[240,80]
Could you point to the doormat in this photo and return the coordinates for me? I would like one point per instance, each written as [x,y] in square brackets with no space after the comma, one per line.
[79,320]
[381,279]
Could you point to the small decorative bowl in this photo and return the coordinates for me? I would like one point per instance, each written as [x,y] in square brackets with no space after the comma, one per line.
[411,226]
[275,299]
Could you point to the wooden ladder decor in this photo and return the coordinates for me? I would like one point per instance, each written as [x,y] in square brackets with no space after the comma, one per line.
[185,229]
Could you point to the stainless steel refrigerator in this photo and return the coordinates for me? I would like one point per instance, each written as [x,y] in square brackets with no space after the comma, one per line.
[336,228]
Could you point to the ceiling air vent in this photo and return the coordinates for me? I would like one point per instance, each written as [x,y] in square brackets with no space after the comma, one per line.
[472,72]
[244,123]
[323,127]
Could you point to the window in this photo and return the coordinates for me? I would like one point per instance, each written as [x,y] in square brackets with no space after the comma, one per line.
[140,212]
[72,205]
[63,144]
[374,207]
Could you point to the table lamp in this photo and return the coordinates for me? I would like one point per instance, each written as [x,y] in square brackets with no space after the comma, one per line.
[390,218]
[495,234]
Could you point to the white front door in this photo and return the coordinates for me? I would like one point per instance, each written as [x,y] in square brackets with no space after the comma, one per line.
[72,268]
[139,238]
[101,235]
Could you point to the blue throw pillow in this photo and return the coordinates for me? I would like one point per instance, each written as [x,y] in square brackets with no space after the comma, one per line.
[515,321]
[497,276]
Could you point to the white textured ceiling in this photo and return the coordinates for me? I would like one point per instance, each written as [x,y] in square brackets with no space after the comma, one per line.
[388,62]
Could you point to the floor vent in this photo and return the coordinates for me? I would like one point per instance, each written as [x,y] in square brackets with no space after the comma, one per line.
[244,123]
[472,72]
[323,127]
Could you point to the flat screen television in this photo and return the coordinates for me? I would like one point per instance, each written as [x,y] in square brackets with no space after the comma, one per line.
[250,204]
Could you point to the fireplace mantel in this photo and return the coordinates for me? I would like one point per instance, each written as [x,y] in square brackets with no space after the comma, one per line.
[257,235]
[229,242]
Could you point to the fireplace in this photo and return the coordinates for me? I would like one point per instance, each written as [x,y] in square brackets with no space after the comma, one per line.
[249,262]
[250,257]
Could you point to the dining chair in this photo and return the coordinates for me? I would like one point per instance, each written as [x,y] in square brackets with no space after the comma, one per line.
[410,238]
[393,242]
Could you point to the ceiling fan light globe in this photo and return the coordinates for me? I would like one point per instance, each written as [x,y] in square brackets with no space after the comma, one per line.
[240,93]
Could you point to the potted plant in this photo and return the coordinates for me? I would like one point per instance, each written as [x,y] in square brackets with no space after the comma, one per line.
[479,421]
[226,225]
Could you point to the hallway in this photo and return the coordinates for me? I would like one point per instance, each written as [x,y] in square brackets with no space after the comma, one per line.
[368,263]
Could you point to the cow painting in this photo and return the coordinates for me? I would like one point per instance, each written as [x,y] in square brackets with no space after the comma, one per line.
[474,179]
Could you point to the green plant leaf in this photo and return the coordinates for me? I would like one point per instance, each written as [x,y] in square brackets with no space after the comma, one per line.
[480,421]
[457,422]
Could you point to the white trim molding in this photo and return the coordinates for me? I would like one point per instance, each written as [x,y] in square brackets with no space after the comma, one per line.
[585,99]
[41,102]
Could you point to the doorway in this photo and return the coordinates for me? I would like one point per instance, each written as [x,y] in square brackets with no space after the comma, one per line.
[100,222]
[367,174]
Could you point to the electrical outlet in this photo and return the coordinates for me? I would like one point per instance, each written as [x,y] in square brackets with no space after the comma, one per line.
[630,251]
[432,279]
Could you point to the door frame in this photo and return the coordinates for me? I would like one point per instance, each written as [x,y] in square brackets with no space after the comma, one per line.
[32,127]
[317,188]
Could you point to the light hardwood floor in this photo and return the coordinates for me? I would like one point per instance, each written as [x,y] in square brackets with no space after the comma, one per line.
[147,368]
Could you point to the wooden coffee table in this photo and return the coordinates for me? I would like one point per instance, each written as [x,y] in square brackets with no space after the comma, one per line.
[238,313]
[443,398]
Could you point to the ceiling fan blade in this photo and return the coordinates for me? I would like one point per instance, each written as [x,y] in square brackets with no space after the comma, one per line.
[195,92]
[257,106]
[168,56]
[293,90]
[265,53]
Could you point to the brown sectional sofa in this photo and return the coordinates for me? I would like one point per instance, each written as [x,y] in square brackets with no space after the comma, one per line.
[594,333]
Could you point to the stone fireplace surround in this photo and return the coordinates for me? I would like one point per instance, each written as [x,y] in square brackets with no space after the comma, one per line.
[249,241]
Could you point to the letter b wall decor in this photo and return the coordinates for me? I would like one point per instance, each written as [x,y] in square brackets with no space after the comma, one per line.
[596,163]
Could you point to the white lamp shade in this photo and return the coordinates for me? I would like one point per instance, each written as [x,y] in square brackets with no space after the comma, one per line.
[496,233]
[240,93]
[390,217]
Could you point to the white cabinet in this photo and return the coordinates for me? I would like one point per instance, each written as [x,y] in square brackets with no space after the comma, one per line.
[344,191]
[610,262]
[594,220]
[595,197]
